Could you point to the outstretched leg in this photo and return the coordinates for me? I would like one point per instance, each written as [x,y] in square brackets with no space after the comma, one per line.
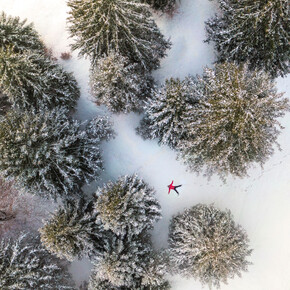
[176,191]
[178,185]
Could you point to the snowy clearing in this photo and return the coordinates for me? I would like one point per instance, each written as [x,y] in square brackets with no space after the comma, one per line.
[260,203]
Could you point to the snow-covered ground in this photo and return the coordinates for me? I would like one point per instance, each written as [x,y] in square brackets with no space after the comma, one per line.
[260,203]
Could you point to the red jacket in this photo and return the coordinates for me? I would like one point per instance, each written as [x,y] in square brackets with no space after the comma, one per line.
[171,186]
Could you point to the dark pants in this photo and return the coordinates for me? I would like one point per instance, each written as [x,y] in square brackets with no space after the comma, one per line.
[175,188]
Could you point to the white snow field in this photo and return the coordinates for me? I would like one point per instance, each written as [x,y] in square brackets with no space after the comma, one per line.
[260,203]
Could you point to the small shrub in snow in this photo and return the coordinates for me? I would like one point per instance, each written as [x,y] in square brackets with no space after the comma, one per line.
[119,84]
[25,265]
[127,206]
[124,26]
[72,232]
[48,153]
[235,123]
[205,243]
[65,55]
[253,31]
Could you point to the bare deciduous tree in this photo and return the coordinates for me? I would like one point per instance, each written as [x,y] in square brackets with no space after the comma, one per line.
[19,210]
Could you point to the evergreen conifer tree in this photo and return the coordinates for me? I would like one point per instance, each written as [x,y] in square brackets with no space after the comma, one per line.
[205,243]
[120,85]
[155,268]
[72,231]
[127,206]
[235,124]
[122,261]
[48,153]
[127,210]
[124,26]
[32,80]
[165,113]
[128,263]
[19,35]
[62,88]
[253,31]
[26,265]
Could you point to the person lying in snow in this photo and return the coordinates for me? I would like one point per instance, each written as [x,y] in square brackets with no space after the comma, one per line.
[171,186]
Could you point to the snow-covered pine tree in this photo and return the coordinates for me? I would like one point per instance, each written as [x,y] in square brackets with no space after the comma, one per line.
[127,206]
[122,261]
[154,270]
[48,153]
[20,77]
[98,284]
[165,112]
[19,35]
[129,262]
[24,264]
[161,5]
[32,80]
[235,124]
[205,243]
[253,31]
[124,26]
[72,231]
[120,85]
[62,88]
